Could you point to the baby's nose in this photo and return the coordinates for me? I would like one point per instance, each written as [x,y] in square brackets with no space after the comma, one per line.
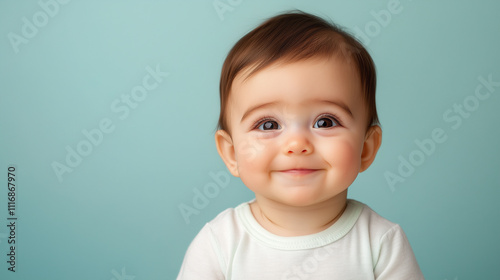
[298,144]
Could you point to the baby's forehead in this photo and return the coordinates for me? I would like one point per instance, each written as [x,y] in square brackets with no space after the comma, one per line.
[281,69]
[300,82]
[342,59]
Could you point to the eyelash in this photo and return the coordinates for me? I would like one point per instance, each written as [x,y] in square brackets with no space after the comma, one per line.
[269,118]
[262,120]
[331,116]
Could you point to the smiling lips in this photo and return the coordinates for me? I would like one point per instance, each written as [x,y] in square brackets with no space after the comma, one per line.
[299,171]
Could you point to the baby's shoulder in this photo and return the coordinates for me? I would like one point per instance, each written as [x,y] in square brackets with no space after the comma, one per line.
[370,221]
[226,224]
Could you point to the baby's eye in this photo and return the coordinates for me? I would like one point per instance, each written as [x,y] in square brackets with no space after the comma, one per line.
[325,122]
[269,125]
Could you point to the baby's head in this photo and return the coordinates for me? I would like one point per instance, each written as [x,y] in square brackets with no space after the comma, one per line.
[290,38]
[298,120]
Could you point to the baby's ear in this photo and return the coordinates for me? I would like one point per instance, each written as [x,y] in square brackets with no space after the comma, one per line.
[225,148]
[373,139]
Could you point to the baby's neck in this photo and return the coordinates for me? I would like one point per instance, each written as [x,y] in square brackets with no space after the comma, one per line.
[285,220]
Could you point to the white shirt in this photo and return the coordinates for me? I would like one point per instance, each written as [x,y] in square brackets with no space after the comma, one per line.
[359,245]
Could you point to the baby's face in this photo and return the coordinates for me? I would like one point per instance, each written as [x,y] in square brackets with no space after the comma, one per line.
[298,130]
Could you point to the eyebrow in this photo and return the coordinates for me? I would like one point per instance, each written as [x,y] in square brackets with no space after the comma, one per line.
[256,107]
[340,104]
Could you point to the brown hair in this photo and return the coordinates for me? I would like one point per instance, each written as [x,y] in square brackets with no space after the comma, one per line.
[292,37]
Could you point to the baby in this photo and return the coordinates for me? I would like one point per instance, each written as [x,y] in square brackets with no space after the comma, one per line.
[298,122]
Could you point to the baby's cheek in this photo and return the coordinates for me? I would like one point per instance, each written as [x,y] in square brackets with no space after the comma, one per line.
[253,159]
[252,172]
[346,157]
[249,150]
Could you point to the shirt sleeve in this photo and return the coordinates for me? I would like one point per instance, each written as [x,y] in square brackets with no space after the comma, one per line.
[202,260]
[396,258]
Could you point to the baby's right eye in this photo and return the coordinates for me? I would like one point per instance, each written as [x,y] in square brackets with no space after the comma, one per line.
[268,125]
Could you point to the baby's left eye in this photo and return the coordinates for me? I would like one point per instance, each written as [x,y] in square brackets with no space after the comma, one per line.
[325,123]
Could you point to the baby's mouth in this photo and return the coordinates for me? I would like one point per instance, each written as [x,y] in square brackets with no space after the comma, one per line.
[299,171]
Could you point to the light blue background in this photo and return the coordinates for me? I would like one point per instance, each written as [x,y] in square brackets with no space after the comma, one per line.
[116,215]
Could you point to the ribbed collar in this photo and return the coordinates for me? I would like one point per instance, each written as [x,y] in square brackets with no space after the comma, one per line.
[335,232]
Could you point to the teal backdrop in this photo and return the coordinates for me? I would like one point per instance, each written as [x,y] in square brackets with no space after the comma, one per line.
[108,111]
